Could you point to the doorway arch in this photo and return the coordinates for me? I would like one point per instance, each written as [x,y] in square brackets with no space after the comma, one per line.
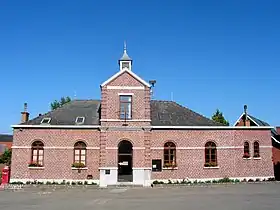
[125,157]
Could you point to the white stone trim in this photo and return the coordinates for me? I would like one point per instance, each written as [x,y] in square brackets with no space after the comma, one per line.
[108,168]
[111,148]
[125,94]
[128,120]
[169,168]
[129,72]
[70,148]
[249,158]
[138,148]
[36,168]
[214,127]
[55,180]
[74,168]
[198,148]
[257,158]
[126,87]
[57,126]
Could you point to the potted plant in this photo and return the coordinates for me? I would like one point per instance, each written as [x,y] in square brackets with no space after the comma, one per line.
[246,155]
[78,165]
[34,164]
[170,165]
[256,155]
[210,164]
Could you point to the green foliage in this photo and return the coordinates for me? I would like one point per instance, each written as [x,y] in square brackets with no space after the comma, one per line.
[218,117]
[6,157]
[56,104]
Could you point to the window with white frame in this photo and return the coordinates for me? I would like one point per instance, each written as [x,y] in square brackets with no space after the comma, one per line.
[46,120]
[80,120]
[125,107]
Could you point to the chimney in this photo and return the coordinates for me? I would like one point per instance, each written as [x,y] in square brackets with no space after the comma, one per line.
[246,121]
[24,114]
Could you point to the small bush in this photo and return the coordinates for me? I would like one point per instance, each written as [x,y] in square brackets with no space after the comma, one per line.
[80,183]
[73,183]
[85,183]
[225,180]
[236,180]
[68,183]
[28,182]
[250,180]
[48,183]
[169,181]
[208,182]
[257,180]
[244,180]
[271,179]
[183,181]
[195,182]
[214,181]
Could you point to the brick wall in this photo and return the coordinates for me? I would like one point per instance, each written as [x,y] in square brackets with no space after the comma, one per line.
[58,160]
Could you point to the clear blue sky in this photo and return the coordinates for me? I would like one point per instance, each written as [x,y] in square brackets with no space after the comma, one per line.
[210,54]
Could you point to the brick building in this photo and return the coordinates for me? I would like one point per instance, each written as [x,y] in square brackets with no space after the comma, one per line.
[6,142]
[248,120]
[127,137]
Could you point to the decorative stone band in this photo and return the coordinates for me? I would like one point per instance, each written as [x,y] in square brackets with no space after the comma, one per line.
[118,120]
[198,148]
[71,148]
[139,148]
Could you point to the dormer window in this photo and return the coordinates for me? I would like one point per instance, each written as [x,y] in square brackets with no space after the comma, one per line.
[46,120]
[80,120]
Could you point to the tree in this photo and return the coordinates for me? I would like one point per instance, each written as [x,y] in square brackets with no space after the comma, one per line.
[218,117]
[56,104]
[6,157]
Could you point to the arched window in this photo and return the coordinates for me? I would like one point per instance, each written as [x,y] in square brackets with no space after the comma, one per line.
[256,149]
[246,150]
[79,154]
[210,154]
[37,159]
[169,154]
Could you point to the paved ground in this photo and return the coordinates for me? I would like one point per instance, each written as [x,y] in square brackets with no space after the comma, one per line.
[225,197]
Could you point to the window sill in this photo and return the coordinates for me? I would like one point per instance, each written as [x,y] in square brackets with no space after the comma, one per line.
[247,158]
[170,168]
[73,168]
[36,168]
[212,167]
[257,158]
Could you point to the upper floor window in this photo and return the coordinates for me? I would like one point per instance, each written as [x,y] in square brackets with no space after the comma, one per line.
[169,154]
[210,154]
[80,120]
[46,120]
[37,158]
[246,150]
[125,106]
[256,149]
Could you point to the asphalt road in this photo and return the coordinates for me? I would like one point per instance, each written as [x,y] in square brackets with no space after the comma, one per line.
[261,196]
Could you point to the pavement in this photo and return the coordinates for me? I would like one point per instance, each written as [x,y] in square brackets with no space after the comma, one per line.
[255,196]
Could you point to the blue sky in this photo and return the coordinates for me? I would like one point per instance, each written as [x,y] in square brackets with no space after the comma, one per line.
[209,54]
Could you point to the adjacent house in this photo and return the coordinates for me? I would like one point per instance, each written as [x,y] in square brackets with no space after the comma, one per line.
[248,120]
[127,137]
[6,141]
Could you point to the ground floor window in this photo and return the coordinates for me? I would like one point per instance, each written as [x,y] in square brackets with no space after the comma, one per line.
[210,154]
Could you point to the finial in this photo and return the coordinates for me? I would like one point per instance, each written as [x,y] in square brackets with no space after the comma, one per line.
[124,46]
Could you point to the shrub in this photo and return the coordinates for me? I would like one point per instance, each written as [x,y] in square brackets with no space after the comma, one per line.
[257,180]
[183,181]
[250,180]
[224,180]
[68,183]
[244,180]
[80,183]
[28,182]
[236,180]
[169,181]
[86,183]
[271,179]
[73,183]
[195,182]
[48,183]
[214,181]
[208,182]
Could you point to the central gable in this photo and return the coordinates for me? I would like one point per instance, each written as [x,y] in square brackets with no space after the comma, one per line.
[125,78]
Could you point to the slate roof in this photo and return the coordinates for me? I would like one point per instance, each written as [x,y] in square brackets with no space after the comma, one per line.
[6,138]
[263,123]
[163,113]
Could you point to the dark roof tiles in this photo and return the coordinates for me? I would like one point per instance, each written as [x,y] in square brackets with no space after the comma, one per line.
[163,113]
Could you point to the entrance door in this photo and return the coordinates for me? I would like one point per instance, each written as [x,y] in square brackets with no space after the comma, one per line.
[125,161]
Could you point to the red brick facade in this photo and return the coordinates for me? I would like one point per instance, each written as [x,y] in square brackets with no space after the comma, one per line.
[148,142]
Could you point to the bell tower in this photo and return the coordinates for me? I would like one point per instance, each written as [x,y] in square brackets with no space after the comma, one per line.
[125,61]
